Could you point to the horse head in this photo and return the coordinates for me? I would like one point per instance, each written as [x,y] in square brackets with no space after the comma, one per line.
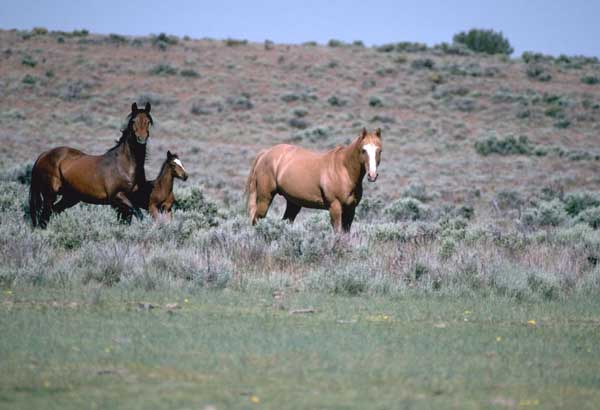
[140,122]
[176,166]
[370,152]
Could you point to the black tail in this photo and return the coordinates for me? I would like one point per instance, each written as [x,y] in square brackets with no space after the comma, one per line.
[35,199]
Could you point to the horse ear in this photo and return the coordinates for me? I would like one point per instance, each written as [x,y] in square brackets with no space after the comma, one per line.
[378,132]
[147,108]
[169,155]
[363,133]
[134,108]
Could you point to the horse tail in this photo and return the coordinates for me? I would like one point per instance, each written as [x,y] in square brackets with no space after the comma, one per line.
[35,198]
[251,188]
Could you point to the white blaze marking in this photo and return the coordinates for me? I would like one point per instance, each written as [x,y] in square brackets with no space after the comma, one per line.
[371,151]
[178,162]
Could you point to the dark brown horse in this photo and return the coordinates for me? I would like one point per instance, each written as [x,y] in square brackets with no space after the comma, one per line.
[96,179]
[331,180]
[156,196]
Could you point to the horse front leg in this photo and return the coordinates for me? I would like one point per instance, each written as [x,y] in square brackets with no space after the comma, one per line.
[125,206]
[335,214]
[347,217]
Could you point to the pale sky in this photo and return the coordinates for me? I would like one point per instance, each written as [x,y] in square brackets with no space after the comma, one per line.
[552,27]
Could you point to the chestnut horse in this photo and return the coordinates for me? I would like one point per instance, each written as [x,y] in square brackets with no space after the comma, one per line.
[157,196]
[96,179]
[331,180]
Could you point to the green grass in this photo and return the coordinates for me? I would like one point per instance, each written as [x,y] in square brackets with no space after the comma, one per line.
[84,349]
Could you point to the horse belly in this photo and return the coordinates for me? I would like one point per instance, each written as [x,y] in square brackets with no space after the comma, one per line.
[301,188]
[82,178]
[303,201]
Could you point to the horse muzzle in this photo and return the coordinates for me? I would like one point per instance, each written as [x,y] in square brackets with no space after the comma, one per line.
[372,178]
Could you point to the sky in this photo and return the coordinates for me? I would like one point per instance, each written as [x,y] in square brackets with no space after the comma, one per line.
[551,26]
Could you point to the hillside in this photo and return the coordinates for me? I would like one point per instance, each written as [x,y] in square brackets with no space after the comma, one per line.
[217,103]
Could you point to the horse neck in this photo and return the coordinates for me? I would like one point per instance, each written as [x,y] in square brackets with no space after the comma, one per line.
[351,161]
[136,153]
[164,181]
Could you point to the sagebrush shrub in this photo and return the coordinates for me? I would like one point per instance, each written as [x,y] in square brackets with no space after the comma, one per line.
[509,145]
[233,42]
[577,202]
[28,61]
[484,41]
[590,216]
[270,229]
[241,102]
[163,69]
[190,73]
[538,73]
[192,199]
[407,209]
[590,79]
[547,213]
[422,64]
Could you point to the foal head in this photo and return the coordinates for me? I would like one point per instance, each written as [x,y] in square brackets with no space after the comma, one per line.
[176,165]
[370,152]
[140,122]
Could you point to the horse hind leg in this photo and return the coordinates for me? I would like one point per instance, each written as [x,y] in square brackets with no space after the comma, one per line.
[49,198]
[265,191]
[291,211]
[262,207]
[67,201]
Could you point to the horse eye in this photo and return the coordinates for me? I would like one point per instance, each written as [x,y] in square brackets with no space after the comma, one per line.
[364,151]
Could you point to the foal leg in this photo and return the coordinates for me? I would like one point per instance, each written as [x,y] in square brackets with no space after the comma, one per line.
[347,217]
[335,214]
[154,212]
[291,211]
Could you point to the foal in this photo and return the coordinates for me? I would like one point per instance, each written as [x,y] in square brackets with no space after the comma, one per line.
[331,180]
[156,196]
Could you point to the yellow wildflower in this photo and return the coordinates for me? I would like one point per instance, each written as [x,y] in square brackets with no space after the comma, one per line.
[379,318]
[498,338]
[531,322]
[254,399]
[531,402]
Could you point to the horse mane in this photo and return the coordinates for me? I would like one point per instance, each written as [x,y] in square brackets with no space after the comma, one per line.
[139,151]
[164,165]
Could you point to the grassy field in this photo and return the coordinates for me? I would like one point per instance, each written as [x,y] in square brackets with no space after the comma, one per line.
[103,348]
[470,278]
